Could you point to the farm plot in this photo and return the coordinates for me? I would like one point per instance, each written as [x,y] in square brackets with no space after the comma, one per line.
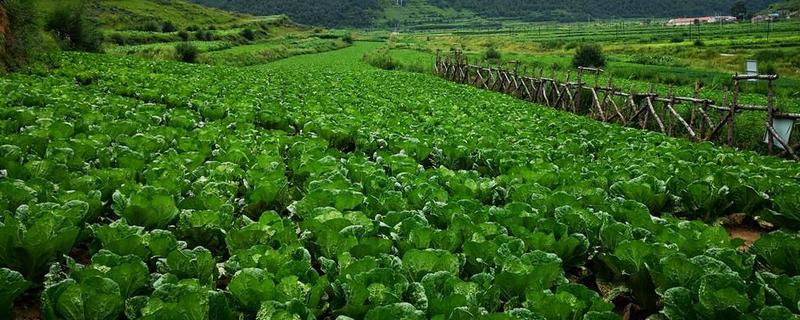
[320,187]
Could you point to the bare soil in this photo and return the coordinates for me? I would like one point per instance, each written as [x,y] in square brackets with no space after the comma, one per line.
[741,226]
[4,26]
[28,307]
[748,234]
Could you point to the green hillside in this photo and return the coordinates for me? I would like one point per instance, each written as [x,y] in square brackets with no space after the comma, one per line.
[420,12]
[790,6]
[577,10]
[133,14]
[123,13]
[391,13]
[357,13]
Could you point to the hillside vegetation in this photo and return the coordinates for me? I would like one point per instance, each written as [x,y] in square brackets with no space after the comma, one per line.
[121,14]
[355,13]
[571,10]
[361,13]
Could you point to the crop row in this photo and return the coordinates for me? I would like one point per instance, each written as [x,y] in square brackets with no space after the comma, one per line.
[319,187]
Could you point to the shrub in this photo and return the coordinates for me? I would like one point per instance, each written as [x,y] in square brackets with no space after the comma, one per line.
[552,44]
[183,35]
[24,36]
[204,36]
[768,68]
[572,45]
[589,55]
[186,52]
[653,60]
[769,55]
[151,26]
[74,30]
[699,43]
[192,28]
[381,59]
[348,38]
[168,27]
[118,39]
[248,34]
[676,39]
[492,54]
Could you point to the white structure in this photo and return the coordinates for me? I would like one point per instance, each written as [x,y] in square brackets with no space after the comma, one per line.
[783,127]
[691,21]
[751,68]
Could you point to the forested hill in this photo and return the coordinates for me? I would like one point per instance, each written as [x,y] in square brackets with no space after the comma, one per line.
[583,9]
[331,13]
[361,13]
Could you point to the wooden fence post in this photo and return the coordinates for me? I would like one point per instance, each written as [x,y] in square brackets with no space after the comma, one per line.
[733,110]
[579,85]
[770,116]
[569,95]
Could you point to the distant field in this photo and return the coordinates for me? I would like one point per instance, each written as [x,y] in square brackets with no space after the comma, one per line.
[638,57]
[272,50]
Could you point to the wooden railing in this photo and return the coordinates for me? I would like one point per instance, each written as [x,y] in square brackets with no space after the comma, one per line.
[707,120]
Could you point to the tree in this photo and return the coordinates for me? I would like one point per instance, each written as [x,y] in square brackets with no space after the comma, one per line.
[168,27]
[74,30]
[589,55]
[492,54]
[248,34]
[186,52]
[739,9]
[184,35]
[18,31]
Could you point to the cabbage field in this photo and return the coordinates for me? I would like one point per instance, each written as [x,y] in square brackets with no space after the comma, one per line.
[318,187]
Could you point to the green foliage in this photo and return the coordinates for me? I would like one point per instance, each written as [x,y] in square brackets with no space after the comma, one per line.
[381,59]
[36,234]
[184,35]
[739,9]
[12,285]
[355,13]
[118,39]
[780,251]
[25,40]
[146,206]
[348,38]
[94,297]
[186,52]
[151,26]
[492,55]
[250,287]
[328,193]
[129,272]
[589,55]
[197,263]
[248,34]
[699,43]
[168,26]
[767,68]
[363,13]
[654,60]
[73,28]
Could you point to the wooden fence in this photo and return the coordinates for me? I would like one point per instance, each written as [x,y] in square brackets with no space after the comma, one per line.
[700,120]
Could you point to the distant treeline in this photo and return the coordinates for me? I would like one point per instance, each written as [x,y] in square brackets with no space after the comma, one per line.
[362,13]
[330,13]
[572,10]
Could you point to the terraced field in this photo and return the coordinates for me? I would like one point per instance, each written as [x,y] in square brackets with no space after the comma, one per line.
[319,187]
